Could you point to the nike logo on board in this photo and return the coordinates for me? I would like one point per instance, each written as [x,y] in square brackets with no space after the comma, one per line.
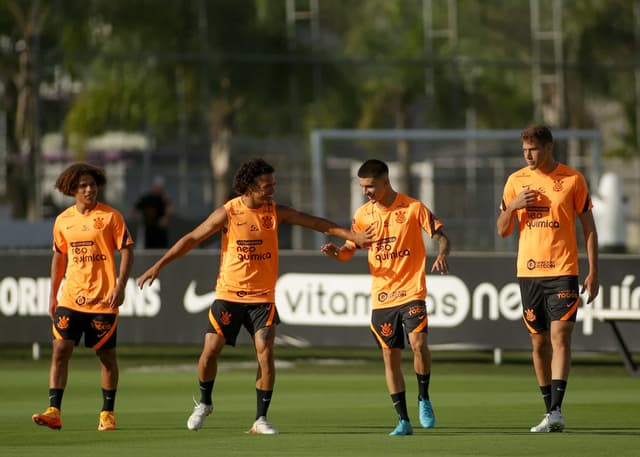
[195,303]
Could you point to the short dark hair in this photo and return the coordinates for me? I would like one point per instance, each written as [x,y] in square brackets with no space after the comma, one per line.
[248,172]
[373,168]
[537,133]
[68,181]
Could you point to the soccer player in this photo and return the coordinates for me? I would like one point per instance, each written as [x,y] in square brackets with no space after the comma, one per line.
[245,288]
[85,238]
[397,261]
[545,197]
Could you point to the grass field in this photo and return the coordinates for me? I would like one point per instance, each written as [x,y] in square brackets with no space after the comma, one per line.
[326,403]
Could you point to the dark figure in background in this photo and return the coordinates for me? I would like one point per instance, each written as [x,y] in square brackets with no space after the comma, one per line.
[156,209]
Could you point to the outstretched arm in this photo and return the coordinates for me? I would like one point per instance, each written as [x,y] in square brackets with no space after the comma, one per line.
[208,227]
[295,217]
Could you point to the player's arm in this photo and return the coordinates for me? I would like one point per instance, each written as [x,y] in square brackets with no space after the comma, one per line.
[591,283]
[116,298]
[58,268]
[444,249]
[208,227]
[295,217]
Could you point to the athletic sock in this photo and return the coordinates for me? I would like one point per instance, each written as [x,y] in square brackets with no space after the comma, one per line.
[546,396]
[55,397]
[400,403]
[558,387]
[423,386]
[263,398]
[206,388]
[108,399]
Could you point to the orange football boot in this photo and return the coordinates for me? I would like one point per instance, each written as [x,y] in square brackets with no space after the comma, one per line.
[51,418]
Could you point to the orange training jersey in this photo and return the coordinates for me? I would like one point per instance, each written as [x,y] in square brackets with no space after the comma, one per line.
[89,241]
[397,259]
[547,243]
[249,254]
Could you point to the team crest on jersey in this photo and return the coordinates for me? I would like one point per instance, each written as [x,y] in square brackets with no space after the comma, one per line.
[529,315]
[101,326]
[386,330]
[267,222]
[63,322]
[225,318]
[98,223]
[557,185]
[401,216]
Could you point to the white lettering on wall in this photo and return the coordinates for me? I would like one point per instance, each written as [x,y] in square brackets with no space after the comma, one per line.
[30,297]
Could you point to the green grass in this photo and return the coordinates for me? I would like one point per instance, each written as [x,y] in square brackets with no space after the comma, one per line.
[321,409]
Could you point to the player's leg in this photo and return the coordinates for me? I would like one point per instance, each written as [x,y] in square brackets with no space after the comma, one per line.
[562,307]
[58,374]
[264,319]
[67,330]
[109,376]
[415,321]
[224,321]
[207,372]
[394,378]
[422,368]
[100,334]
[386,326]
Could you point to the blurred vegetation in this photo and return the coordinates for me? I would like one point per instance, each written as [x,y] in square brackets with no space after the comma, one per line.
[189,68]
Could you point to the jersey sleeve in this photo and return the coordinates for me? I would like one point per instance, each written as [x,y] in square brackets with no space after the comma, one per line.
[582,199]
[508,195]
[121,236]
[59,241]
[428,221]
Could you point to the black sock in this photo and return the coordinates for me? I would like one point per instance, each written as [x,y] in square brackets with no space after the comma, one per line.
[400,403]
[206,388]
[108,399]
[546,396]
[423,386]
[55,397]
[558,387]
[263,398]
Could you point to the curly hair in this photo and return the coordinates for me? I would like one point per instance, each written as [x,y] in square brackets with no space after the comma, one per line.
[540,134]
[247,174]
[68,181]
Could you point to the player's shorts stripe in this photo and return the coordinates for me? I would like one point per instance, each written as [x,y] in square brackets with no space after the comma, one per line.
[571,311]
[272,314]
[214,323]
[531,330]
[56,333]
[383,345]
[421,325]
[107,335]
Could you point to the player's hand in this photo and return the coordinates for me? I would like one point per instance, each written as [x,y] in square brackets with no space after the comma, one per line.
[151,274]
[363,239]
[330,250]
[440,265]
[591,285]
[116,298]
[525,198]
[53,304]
